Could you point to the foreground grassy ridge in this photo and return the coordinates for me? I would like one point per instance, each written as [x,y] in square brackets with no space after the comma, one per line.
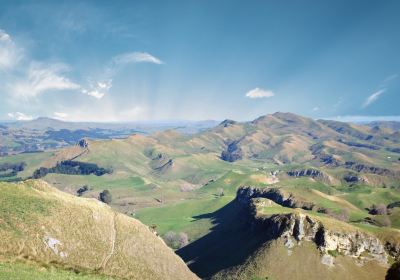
[21,206]
[83,234]
[26,271]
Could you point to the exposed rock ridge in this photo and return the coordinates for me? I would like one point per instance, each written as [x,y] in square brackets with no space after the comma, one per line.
[297,227]
[233,152]
[245,194]
[313,173]
[370,169]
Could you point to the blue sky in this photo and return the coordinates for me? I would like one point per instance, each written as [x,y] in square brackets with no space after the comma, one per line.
[198,59]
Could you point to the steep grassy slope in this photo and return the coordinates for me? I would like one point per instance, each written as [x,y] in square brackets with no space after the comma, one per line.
[44,225]
[303,262]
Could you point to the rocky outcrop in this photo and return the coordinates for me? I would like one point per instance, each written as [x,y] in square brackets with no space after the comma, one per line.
[359,167]
[312,173]
[296,227]
[232,153]
[331,238]
[329,160]
[227,123]
[353,179]
[305,172]
[287,199]
[83,143]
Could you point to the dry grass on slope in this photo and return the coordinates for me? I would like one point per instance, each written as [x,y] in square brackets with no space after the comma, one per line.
[48,226]
[302,262]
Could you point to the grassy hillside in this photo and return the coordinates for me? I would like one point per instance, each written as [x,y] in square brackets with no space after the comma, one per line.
[46,226]
[29,271]
[272,261]
[185,183]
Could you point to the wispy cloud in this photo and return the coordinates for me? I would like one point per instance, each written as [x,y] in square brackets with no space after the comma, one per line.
[389,78]
[26,78]
[20,116]
[10,54]
[136,57]
[41,78]
[100,89]
[259,93]
[315,109]
[373,97]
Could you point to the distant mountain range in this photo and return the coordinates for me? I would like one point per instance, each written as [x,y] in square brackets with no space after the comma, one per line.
[45,133]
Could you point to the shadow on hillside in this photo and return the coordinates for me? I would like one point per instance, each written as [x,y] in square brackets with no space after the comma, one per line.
[228,244]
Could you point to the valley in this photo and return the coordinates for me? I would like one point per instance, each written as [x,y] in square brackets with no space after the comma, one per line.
[236,193]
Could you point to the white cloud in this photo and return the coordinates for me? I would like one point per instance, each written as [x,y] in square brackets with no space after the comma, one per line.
[135,57]
[20,116]
[60,115]
[4,37]
[98,89]
[10,54]
[96,94]
[315,109]
[373,97]
[259,93]
[42,78]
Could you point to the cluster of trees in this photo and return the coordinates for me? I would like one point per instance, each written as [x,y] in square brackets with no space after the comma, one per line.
[72,168]
[11,169]
[176,240]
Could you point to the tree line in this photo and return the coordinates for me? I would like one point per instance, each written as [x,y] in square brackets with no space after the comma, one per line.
[70,167]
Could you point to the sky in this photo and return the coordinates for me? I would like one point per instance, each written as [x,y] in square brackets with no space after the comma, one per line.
[127,61]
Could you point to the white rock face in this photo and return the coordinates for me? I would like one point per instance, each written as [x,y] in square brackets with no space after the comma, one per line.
[294,228]
[54,245]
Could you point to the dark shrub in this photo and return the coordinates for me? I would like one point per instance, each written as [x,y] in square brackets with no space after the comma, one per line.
[105,196]
[379,209]
[82,190]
